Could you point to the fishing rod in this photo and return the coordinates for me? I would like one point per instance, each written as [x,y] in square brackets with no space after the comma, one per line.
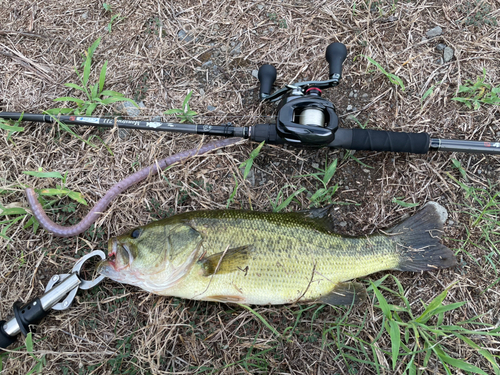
[304,119]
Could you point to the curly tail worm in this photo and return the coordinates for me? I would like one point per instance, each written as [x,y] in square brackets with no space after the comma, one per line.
[118,188]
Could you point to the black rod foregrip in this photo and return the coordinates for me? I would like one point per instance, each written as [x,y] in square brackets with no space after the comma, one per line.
[267,76]
[335,55]
[378,140]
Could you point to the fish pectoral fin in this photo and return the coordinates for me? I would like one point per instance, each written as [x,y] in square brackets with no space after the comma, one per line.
[227,261]
[350,293]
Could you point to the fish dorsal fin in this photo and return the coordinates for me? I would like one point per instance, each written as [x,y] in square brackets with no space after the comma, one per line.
[350,293]
[226,261]
[319,218]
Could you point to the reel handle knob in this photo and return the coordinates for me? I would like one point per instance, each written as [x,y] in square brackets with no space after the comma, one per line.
[267,76]
[335,55]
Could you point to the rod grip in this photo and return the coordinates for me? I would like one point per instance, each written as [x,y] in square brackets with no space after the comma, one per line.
[267,76]
[377,140]
[5,339]
[335,55]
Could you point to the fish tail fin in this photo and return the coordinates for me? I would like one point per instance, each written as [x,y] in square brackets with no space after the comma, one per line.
[419,243]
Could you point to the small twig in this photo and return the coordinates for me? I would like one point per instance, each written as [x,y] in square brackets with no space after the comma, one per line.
[308,285]
[32,35]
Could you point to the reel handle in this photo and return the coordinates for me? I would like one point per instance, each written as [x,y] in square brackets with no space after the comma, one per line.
[267,76]
[335,55]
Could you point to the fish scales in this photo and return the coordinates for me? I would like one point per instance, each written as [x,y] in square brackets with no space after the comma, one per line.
[268,258]
[286,255]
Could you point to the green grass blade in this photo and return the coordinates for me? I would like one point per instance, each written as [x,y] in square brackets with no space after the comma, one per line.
[77,197]
[74,86]
[330,172]
[430,310]
[88,61]
[120,99]
[486,354]
[185,103]
[461,364]
[93,47]
[376,64]
[93,92]
[395,335]
[13,211]
[384,306]
[261,318]
[40,174]
[287,201]
[428,92]
[173,111]
[403,203]
[102,76]
[12,128]
[249,162]
[90,109]
[111,93]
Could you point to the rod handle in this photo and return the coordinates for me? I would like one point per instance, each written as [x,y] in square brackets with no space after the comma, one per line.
[335,55]
[267,76]
[378,140]
[5,339]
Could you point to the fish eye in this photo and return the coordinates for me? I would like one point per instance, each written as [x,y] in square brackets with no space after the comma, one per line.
[136,233]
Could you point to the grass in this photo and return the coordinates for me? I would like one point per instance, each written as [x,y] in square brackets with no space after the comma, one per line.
[474,94]
[14,214]
[280,202]
[323,194]
[247,164]
[392,77]
[184,114]
[400,201]
[477,13]
[482,206]
[11,127]
[114,17]
[95,95]
[40,362]
[417,338]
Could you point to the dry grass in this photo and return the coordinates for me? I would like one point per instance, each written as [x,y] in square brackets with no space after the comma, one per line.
[117,329]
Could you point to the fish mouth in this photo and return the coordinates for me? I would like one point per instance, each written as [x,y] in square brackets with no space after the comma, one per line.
[119,255]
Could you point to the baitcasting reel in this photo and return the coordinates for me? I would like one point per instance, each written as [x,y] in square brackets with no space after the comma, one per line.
[304,117]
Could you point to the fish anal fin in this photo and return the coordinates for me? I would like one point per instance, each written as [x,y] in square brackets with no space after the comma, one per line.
[349,293]
[225,262]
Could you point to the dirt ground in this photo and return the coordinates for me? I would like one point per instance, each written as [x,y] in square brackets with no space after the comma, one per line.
[158,51]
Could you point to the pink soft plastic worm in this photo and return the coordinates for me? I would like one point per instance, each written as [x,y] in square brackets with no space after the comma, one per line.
[124,184]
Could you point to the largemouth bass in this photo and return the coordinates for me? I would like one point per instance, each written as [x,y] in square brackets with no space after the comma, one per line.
[270,258]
